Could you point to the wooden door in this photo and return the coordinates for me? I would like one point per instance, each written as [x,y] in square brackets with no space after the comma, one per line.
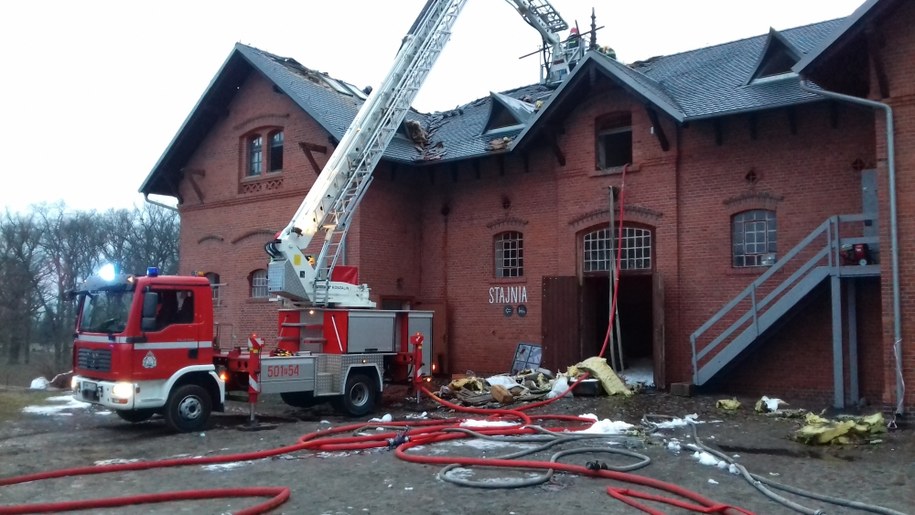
[560,323]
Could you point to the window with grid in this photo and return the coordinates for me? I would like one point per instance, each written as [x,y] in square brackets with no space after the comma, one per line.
[509,252]
[753,238]
[213,277]
[255,155]
[263,152]
[259,284]
[597,250]
[276,152]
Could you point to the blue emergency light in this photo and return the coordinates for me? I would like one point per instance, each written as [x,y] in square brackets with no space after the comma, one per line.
[152,271]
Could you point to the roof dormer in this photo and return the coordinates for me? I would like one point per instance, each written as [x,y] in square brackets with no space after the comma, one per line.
[506,112]
[777,58]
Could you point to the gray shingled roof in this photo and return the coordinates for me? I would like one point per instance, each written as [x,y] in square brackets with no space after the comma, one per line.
[711,82]
[699,84]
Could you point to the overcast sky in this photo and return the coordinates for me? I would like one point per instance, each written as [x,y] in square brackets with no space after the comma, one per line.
[95,90]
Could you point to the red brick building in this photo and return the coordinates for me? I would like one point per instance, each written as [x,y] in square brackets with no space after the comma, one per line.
[732,179]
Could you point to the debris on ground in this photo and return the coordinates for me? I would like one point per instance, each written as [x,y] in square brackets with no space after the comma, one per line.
[728,404]
[769,405]
[535,384]
[849,430]
[599,369]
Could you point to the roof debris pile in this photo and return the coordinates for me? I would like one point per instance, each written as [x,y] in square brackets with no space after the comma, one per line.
[845,430]
[532,384]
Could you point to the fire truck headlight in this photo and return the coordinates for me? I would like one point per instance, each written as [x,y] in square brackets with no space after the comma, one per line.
[122,390]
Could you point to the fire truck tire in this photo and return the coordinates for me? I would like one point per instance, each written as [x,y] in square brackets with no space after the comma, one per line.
[136,415]
[188,408]
[358,397]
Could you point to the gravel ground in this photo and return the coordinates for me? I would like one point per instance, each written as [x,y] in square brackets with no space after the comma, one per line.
[377,482]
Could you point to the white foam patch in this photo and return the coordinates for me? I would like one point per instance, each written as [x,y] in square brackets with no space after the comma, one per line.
[63,403]
[220,467]
[607,427]
[679,422]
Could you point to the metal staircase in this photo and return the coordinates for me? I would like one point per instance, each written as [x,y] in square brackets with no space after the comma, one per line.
[768,299]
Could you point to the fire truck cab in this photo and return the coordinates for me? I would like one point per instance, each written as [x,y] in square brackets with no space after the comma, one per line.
[144,345]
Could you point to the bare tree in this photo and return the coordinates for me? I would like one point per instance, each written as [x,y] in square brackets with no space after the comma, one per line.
[19,301]
[47,252]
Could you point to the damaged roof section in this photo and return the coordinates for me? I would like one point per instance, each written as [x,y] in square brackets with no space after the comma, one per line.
[706,83]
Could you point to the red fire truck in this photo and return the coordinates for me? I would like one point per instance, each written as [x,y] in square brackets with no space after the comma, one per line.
[145,345]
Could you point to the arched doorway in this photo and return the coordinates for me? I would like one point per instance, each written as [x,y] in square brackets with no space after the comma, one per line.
[635,299]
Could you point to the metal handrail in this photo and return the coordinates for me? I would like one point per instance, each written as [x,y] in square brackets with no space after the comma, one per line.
[830,251]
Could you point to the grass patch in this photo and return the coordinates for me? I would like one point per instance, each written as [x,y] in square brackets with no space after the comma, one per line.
[12,401]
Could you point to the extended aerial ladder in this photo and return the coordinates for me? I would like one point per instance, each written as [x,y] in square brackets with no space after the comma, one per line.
[558,58]
[330,204]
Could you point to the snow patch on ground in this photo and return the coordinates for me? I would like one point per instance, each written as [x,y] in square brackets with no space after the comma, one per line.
[62,403]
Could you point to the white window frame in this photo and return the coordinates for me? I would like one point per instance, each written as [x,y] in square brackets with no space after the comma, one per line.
[754,238]
[509,254]
[636,249]
[259,284]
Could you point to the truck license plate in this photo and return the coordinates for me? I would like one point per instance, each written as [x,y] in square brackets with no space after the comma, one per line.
[89,391]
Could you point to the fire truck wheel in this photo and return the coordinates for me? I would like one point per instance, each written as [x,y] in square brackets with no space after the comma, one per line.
[136,415]
[358,397]
[188,408]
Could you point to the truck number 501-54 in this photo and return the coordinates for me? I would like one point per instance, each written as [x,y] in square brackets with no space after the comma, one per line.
[283,371]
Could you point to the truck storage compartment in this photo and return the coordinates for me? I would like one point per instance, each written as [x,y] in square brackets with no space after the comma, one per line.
[371,331]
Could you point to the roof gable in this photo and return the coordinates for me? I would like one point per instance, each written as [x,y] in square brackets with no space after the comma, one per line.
[507,112]
[777,57]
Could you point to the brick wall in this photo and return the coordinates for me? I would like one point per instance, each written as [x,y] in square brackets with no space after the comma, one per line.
[899,68]
[425,234]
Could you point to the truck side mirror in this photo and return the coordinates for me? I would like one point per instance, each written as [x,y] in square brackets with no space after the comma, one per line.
[150,301]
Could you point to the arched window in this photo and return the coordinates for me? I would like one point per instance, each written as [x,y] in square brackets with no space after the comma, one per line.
[276,152]
[255,156]
[753,238]
[509,254]
[258,280]
[597,250]
[263,152]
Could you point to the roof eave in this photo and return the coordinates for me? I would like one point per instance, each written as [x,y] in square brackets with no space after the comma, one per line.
[810,61]
[146,187]
[624,80]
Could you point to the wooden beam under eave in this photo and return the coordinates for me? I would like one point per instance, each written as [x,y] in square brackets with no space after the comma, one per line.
[190,175]
[658,129]
[308,148]
[874,41]
[554,145]
[175,187]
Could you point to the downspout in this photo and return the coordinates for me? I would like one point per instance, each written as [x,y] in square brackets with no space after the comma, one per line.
[153,202]
[894,250]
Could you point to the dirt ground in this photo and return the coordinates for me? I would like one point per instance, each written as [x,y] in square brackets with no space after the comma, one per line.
[376,481]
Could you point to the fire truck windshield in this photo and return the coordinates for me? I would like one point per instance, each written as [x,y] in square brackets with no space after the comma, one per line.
[105,311]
